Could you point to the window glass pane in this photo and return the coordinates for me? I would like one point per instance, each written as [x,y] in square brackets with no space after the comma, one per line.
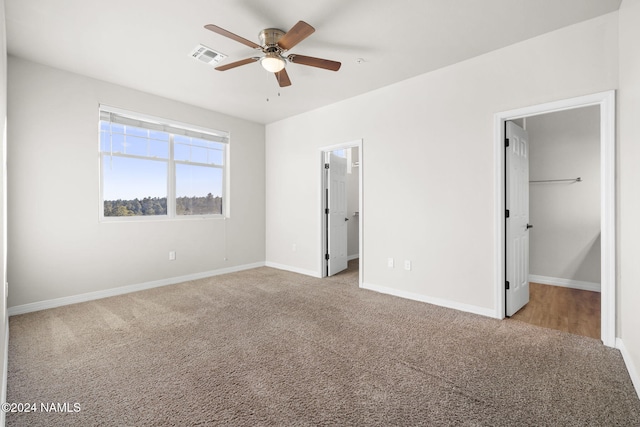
[117,128]
[159,136]
[198,150]
[117,143]
[111,142]
[135,145]
[134,131]
[159,149]
[181,139]
[181,152]
[105,141]
[134,187]
[134,141]
[198,190]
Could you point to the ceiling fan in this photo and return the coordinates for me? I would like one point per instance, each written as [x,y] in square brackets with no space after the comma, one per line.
[274,44]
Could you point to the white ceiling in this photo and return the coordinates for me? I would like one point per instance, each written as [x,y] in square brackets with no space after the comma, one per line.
[145,44]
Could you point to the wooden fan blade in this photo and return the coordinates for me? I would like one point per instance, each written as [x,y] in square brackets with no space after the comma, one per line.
[295,35]
[236,64]
[283,78]
[315,62]
[232,36]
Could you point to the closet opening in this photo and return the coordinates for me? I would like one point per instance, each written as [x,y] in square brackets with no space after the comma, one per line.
[571,247]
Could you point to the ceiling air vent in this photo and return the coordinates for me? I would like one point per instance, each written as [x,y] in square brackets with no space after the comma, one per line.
[207,55]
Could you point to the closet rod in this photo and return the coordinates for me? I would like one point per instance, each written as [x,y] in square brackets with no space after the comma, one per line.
[578,179]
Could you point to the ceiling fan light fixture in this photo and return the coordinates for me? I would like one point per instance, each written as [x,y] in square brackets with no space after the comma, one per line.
[275,43]
[273,62]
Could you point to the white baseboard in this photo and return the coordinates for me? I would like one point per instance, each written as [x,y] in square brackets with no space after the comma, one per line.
[435,301]
[565,283]
[631,368]
[293,269]
[352,257]
[90,296]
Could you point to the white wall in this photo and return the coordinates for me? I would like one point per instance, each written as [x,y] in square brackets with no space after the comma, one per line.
[565,239]
[428,163]
[57,246]
[3,207]
[629,186]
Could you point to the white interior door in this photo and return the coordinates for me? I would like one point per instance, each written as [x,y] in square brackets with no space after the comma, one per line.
[517,222]
[337,217]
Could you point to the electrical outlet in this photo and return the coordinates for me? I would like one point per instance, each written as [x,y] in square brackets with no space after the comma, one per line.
[172,255]
[407,265]
[390,262]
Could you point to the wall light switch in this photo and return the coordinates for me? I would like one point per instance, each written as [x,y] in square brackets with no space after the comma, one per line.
[407,265]
[390,263]
[172,255]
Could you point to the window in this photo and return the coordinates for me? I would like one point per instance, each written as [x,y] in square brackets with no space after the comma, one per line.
[151,167]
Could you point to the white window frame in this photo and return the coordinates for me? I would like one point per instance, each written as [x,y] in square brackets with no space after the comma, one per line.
[172,127]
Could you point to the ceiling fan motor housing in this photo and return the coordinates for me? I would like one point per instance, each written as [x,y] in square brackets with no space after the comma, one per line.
[270,36]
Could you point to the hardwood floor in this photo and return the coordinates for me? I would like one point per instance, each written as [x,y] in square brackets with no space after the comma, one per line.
[564,309]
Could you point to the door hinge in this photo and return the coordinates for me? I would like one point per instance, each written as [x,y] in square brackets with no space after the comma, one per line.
[506,213]
[506,285]
[506,143]
[326,211]
[326,165]
[326,256]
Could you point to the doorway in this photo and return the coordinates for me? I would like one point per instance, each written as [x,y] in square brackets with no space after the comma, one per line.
[563,236]
[341,210]
[605,103]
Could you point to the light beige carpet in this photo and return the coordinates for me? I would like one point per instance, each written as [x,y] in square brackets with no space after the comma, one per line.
[266,347]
